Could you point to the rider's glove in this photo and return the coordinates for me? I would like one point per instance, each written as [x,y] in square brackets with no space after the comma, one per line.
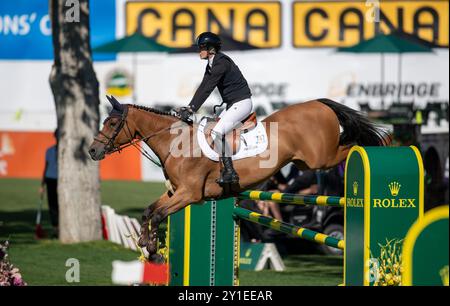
[184,113]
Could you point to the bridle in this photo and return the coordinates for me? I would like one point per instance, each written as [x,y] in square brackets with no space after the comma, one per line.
[109,143]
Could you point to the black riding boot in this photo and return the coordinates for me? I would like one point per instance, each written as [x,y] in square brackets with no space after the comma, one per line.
[228,175]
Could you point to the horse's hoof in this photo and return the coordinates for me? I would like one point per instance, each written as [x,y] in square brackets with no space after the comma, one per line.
[156,258]
[143,241]
[151,248]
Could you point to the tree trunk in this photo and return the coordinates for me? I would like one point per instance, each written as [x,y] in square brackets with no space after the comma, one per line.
[75,90]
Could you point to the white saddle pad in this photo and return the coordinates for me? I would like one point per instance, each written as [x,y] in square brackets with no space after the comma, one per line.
[252,143]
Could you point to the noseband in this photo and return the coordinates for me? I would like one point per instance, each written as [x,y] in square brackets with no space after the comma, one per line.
[109,143]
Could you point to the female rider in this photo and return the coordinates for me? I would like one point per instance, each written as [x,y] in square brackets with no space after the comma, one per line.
[221,72]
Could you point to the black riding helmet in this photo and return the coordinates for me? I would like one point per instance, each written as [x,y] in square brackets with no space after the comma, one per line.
[208,40]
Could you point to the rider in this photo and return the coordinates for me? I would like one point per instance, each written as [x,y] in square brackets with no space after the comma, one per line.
[222,72]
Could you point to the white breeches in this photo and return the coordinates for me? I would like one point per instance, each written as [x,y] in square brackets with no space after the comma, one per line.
[232,117]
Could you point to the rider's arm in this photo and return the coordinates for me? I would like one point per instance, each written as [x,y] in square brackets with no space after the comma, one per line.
[210,81]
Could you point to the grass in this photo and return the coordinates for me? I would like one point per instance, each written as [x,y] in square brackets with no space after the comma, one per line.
[303,270]
[43,262]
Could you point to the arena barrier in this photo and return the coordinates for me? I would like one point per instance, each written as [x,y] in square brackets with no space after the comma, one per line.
[425,250]
[384,192]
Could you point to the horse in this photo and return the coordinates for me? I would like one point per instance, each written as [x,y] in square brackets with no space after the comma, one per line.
[307,134]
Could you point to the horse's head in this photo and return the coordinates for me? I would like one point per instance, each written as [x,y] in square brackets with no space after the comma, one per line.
[113,134]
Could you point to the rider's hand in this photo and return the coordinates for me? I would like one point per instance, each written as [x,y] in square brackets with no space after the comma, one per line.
[175,111]
[281,187]
[184,113]
[41,190]
[261,205]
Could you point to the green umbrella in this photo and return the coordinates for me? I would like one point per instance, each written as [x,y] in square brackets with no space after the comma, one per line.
[397,42]
[132,44]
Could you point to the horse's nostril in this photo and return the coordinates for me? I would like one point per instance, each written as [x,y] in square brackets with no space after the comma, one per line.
[92,151]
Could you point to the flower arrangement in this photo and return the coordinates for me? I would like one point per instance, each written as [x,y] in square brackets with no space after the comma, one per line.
[444,275]
[389,270]
[9,275]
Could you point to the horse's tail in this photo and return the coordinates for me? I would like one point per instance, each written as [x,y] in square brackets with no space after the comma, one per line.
[357,128]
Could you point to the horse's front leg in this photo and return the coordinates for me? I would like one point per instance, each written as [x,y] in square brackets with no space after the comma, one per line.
[179,200]
[144,237]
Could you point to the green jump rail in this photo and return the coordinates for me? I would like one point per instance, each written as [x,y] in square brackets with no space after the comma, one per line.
[289,198]
[288,228]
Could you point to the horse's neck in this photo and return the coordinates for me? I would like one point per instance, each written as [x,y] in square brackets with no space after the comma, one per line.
[157,128]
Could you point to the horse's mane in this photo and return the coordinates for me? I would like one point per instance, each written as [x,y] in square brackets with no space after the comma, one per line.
[152,110]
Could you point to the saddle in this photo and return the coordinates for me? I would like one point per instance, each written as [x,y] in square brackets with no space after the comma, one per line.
[232,138]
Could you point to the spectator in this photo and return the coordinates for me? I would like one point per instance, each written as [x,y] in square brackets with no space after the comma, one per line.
[250,232]
[304,183]
[273,184]
[332,181]
[50,180]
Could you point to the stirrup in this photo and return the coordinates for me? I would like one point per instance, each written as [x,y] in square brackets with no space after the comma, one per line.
[233,178]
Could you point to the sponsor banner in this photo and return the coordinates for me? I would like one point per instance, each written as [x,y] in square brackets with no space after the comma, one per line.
[22,155]
[346,23]
[177,24]
[25,28]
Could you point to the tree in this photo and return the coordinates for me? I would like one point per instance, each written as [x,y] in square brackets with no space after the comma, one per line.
[75,90]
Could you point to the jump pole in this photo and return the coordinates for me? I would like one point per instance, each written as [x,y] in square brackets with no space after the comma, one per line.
[287,228]
[288,198]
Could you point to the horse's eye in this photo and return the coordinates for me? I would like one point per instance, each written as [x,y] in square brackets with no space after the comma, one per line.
[112,124]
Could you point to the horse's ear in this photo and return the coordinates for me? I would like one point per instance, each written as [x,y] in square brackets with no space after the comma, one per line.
[115,104]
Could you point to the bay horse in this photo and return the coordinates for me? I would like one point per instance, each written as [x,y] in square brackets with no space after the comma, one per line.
[308,134]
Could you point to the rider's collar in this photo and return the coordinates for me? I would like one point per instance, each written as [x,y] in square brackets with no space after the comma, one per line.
[210,60]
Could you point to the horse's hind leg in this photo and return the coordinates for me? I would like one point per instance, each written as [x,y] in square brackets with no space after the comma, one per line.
[341,155]
[300,164]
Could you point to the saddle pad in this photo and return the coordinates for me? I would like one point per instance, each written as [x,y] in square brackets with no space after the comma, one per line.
[252,143]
